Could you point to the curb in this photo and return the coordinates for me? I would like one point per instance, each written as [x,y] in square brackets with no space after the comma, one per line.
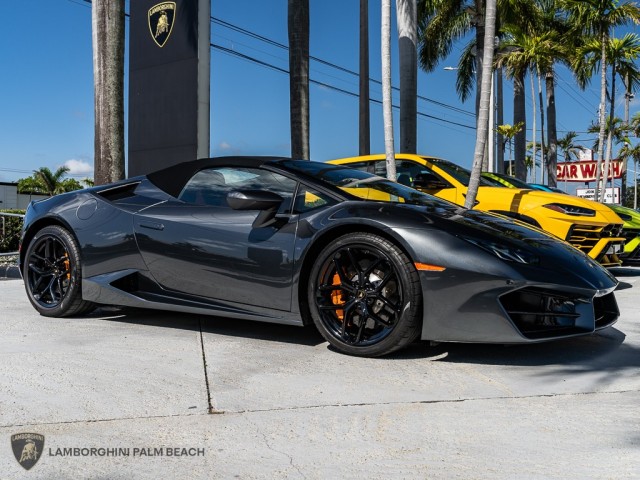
[12,271]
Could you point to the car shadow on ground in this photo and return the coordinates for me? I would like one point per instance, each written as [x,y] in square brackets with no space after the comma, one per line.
[626,271]
[604,347]
[270,332]
[604,351]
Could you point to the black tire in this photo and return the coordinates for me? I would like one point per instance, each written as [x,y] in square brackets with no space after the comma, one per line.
[365,296]
[52,274]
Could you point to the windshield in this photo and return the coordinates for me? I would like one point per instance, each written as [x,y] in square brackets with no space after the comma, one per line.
[362,185]
[513,181]
[462,175]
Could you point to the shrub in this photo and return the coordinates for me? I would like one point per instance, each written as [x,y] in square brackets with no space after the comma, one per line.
[10,234]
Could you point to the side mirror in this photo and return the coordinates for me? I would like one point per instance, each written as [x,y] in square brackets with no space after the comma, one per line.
[263,200]
[429,182]
[253,200]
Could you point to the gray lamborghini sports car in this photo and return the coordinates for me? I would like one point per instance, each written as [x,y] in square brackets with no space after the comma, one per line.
[371,263]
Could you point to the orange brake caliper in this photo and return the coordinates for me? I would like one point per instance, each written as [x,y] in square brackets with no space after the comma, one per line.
[67,265]
[336,297]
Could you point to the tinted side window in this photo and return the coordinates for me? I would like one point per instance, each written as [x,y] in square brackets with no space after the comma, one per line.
[407,171]
[364,166]
[308,199]
[211,186]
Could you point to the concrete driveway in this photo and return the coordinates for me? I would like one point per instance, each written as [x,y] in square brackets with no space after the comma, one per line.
[128,394]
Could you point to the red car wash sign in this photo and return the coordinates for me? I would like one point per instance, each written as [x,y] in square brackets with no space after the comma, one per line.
[586,171]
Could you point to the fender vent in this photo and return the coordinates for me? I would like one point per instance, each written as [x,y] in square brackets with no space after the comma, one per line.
[119,192]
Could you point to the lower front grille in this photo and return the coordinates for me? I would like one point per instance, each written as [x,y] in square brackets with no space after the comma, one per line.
[540,313]
[585,237]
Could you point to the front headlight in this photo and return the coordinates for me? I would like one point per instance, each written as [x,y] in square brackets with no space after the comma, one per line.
[571,210]
[505,252]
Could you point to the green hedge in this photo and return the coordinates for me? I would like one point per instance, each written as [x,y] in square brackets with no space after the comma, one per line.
[10,237]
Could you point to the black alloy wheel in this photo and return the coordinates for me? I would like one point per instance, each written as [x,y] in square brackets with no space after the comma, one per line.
[52,273]
[365,295]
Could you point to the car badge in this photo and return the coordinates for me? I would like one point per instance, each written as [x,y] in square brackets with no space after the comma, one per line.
[161,19]
[27,448]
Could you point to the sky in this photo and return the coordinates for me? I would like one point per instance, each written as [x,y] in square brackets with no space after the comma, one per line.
[46,107]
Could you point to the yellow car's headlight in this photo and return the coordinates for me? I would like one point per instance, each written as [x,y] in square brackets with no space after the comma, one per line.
[571,210]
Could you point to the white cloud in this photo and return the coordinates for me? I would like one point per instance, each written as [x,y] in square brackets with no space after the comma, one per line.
[79,167]
[224,146]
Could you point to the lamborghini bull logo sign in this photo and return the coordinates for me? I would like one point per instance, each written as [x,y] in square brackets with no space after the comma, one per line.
[27,448]
[161,19]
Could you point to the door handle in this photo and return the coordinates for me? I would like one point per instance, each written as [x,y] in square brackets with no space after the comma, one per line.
[152,225]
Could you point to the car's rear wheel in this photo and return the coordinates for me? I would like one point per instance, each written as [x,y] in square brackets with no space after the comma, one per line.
[52,273]
[365,296]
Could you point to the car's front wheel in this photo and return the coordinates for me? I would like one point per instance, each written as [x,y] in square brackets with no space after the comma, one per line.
[365,296]
[52,273]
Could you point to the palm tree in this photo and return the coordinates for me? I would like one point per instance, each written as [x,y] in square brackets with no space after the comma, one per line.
[621,54]
[483,117]
[406,14]
[532,160]
[387,111]
[629,152]
[51,181]
[626,152]
[508,132]
[298,29]
[363,97]
[615,130]
[30,185]
[567,147]
[552,21]
[514,56]
[535,45]
[47,182]
[441,23]
[531,164]
[598,18]
[108,71]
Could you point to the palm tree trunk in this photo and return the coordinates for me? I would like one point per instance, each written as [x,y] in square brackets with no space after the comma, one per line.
[406,14]
[607,157]
[533,126]
[387,111]
[483,117]
[635,181]
[627,98]
[107,18]
[364,111]
[298,28]
[604,37]
[479,21]
[542,144]
[500,120]
[552,132]
[519,115]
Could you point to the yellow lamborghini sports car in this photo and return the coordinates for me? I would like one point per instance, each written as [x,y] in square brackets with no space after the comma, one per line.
[589,226]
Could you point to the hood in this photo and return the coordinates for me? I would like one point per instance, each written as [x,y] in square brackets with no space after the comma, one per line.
[546,259]
[629,216]
[540,198]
